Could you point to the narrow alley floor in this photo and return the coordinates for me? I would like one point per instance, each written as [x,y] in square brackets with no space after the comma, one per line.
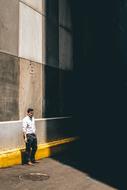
[49,174]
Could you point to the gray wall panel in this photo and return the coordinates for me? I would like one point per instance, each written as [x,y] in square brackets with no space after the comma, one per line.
[9,85]
[9,25]
[31,87]
[65,14]
[52,33]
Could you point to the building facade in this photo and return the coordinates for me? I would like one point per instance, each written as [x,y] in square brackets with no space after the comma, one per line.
[36,69]
[36,58]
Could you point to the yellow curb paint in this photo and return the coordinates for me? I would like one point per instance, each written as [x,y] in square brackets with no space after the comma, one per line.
[13,157]
[45,151]
[10,158]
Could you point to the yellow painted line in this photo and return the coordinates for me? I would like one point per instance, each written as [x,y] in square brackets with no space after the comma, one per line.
[13,157]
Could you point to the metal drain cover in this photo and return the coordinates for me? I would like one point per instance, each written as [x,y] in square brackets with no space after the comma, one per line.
[34,176]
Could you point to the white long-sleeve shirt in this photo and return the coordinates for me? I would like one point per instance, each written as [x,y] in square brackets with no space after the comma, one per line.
[28,125]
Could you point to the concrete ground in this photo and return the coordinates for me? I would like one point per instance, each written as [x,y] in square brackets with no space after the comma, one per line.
[60,177]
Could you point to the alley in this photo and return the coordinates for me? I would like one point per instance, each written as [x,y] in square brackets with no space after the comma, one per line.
[54,175]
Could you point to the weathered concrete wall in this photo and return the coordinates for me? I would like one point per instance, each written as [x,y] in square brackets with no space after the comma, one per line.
[65,19]
[58,92]
[30,33]
[32,48]
[65,36]
[51,92]
[38,5]
[66,92]
[9,87]
[49,129]
[22,33]
[52,34]
[65,49]
[59,52]
[31,87]
[9,19]
[59,58]
[45,58]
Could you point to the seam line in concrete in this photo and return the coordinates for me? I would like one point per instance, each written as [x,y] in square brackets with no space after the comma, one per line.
[32,7]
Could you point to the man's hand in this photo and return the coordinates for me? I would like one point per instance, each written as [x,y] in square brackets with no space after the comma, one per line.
[25,139]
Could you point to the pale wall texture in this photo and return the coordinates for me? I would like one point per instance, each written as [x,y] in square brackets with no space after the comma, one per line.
[43,40]
[45,50]
[31,87]
[9,19]
[38,5]
[30,34]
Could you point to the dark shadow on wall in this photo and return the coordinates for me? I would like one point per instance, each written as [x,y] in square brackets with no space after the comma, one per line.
[99,90]
[57,91]
[100,98]
[50,69]
[58,82]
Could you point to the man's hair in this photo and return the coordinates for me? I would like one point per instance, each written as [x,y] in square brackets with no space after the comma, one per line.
[29,110]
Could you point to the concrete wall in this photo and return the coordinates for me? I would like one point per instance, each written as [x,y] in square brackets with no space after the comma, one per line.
[32,53]
[59,49]
[49,129]
[52,34]
[65,36]
[59,58]
[65,49]
[37,5]
[31,87]
[32,30]
[40,36]
[30,33]
[9,87]
[9,29]
[35,71]
[9,66]
[22,55]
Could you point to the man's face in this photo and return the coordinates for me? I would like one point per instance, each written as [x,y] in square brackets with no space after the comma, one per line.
[30,114]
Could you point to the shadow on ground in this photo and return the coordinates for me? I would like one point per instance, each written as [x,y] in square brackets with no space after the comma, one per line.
[102,168]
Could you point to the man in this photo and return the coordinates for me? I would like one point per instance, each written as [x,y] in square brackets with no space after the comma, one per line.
[29,135]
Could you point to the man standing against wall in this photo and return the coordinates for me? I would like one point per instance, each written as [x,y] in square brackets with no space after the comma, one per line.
[29,135]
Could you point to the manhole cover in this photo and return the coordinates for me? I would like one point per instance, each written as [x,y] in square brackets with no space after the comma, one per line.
[34,176]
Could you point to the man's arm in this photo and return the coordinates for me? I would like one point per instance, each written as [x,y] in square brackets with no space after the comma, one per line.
[24,130]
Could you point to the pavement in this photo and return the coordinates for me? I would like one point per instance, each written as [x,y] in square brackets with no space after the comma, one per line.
[49,174]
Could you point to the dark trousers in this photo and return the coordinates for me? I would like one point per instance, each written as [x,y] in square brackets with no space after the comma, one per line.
[31,147]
